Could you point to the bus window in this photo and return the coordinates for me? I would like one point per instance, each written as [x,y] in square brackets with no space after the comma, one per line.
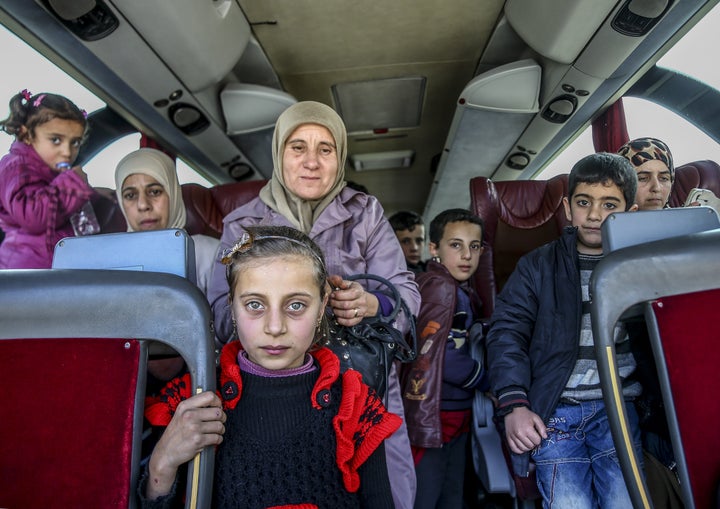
[28,69]
[644,118]
[25,68]
[686,141]
[582,146]
[101,168]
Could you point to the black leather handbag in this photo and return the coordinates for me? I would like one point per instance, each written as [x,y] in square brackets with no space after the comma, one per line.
[371,346]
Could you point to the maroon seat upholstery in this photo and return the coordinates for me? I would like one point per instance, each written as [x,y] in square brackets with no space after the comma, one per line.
[206,207]
[519,216]
[703,174]
[688,335]
[108,213]
[41,431]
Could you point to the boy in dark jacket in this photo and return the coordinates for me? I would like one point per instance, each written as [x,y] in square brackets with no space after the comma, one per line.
[438,387]
[540,351]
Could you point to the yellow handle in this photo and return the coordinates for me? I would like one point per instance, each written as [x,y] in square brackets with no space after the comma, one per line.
[196,473]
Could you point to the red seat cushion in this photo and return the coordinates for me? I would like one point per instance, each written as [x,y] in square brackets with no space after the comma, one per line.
[690,337]
[66,430]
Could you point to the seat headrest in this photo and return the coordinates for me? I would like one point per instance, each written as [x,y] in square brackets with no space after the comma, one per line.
[701,174]
[170,251]
[519,216]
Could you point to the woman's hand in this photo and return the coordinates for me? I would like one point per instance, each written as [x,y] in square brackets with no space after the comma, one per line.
[350,302]
[198,422]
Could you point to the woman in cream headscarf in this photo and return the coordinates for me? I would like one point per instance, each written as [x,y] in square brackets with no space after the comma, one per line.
[150,198]
[307,191]
[301,204]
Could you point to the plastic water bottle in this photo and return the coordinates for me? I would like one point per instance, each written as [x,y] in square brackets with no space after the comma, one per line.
[84,221]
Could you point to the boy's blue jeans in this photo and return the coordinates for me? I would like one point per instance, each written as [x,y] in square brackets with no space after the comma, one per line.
[577,466]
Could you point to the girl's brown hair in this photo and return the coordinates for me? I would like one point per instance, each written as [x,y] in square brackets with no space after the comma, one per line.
[28,111]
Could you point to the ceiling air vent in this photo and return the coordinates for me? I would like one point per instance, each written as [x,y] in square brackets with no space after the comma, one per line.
[188,118]
[560,109]
[518,161]
[637,17]
[90,20]
[382,160]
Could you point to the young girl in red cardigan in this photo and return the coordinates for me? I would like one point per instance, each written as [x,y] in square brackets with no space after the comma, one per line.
[290,429]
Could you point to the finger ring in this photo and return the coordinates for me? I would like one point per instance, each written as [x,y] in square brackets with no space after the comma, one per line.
[357,311]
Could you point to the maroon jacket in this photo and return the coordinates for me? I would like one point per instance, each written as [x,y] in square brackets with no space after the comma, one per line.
[422,380]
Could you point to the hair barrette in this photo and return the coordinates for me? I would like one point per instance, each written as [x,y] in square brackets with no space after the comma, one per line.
[38,101]
[26,94]
[246,241]
[84,113]
[243,244]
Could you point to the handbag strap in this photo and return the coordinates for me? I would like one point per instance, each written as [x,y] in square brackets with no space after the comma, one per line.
[404,352]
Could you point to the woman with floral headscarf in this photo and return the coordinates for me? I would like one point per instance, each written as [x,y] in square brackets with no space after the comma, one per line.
[653,163]
[308,191]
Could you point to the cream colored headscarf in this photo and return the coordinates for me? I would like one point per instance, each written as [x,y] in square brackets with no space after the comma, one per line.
[303,213]
[159,166]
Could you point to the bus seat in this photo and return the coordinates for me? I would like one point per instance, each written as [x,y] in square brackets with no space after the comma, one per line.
[73,353]
[519,216]
[692,357]
[206,207]
[202,216]
[701,174]
[487,449]
[170,251]
[675,281]
[485,442]
[622,229]
[110,218]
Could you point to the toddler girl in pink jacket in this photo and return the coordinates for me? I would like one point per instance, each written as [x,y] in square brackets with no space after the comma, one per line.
[39,187]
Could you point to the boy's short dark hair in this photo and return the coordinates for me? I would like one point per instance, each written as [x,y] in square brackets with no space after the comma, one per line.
[405,220]
[604,167]
[437,225]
